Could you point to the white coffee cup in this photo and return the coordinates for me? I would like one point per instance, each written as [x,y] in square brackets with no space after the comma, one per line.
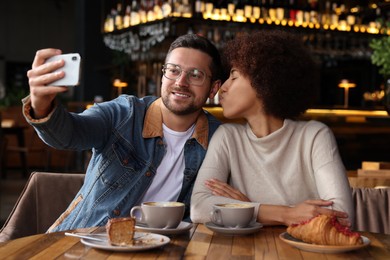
[159,214]
[232,215]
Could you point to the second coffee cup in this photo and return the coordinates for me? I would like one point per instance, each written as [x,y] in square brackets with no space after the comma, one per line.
[232,215]
[159,214]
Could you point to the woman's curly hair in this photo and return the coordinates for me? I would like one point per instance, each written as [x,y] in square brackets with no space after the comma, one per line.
[279,67]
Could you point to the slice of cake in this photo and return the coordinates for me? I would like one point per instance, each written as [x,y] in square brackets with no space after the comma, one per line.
[120,231]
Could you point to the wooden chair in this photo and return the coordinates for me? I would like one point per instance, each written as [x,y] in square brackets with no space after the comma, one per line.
[28,144]
[44,198]
[372,209]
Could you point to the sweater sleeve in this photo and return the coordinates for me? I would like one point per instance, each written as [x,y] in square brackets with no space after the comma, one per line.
[215,165]
[330,174]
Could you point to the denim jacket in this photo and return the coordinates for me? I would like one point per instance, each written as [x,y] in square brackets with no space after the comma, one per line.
[122,165]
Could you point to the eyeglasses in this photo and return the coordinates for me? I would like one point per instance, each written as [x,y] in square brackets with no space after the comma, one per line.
[195,77]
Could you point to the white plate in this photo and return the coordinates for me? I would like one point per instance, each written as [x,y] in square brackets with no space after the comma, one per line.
[321,248]
[254,227]
[183,227]
[145,241]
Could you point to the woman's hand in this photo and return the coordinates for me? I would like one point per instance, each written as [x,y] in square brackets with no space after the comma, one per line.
[220,188]
[312,208]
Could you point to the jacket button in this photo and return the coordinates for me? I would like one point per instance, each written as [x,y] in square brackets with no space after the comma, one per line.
[148,174]
[117,212]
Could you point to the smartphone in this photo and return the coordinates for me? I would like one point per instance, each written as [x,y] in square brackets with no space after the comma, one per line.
[71,69]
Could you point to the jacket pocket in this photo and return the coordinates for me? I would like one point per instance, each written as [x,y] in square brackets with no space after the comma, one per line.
[121,165]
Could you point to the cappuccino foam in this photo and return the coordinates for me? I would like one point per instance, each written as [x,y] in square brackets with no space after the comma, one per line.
[234,205]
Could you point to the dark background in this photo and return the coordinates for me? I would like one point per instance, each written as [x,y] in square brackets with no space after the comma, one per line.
[75,26]
[70,25]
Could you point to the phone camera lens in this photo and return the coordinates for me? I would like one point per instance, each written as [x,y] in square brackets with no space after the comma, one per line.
[74,58]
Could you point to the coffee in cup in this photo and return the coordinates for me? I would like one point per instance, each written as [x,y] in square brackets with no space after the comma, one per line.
[232,215]
[159,214]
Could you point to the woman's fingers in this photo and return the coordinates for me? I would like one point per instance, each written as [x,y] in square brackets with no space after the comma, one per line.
[223,189]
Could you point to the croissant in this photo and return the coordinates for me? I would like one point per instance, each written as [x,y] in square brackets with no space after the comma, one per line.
[324,230]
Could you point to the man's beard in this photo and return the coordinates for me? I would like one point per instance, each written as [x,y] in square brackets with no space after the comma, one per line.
[183,110]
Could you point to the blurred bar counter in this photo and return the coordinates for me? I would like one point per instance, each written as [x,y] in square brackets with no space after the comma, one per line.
[362,135]
[352,121]
[329,115]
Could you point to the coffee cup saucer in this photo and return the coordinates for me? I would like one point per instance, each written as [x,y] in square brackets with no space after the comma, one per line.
[252,228]
[181,228]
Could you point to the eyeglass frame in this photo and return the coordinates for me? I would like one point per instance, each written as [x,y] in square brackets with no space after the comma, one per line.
[164,67]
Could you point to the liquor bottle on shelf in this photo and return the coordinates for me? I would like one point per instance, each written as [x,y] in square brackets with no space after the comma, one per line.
[247,9]
[240,17]
[326,15]
[157,9]
[135,17]
[118,16]
[176,8]
[231,8]
[167,8]
[314,13]
[223,6]
[143,10]
[373,25]
[186,9]
[208,11]
[150,15]
[351,19]
[342,21]
[109,23]
[264,11]
[256,10]
[271,11]
[291,14]
[334,17]
[284,4]
[216,15]
[306,13]
[127,17]
[199,8]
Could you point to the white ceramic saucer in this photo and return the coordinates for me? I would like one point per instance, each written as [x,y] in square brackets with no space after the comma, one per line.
[320,248]
[145,241]
[252,228]
[183,227]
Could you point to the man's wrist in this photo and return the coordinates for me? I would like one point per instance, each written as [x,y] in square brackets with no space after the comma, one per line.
[31,115]
[39,114]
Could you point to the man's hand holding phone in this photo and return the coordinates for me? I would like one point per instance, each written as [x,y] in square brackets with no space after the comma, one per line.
[51,73]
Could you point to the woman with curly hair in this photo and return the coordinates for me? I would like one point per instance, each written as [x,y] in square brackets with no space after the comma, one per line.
[290,170]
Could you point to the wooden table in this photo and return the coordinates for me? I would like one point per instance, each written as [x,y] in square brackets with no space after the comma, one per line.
[198,243]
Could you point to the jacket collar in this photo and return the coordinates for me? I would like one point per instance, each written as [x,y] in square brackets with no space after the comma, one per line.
[153,125]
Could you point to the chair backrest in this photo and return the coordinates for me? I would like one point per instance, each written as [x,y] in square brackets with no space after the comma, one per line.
[44,198]
[372,209]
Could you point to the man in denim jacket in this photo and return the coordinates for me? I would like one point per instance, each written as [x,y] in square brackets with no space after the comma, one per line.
[143,149]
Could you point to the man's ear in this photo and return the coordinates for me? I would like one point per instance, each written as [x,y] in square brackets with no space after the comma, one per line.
[214,88]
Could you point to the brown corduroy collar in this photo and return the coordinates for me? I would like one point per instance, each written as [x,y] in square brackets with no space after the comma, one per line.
[153,124]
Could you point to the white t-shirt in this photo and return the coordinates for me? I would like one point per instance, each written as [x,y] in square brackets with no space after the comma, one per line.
[167,183]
